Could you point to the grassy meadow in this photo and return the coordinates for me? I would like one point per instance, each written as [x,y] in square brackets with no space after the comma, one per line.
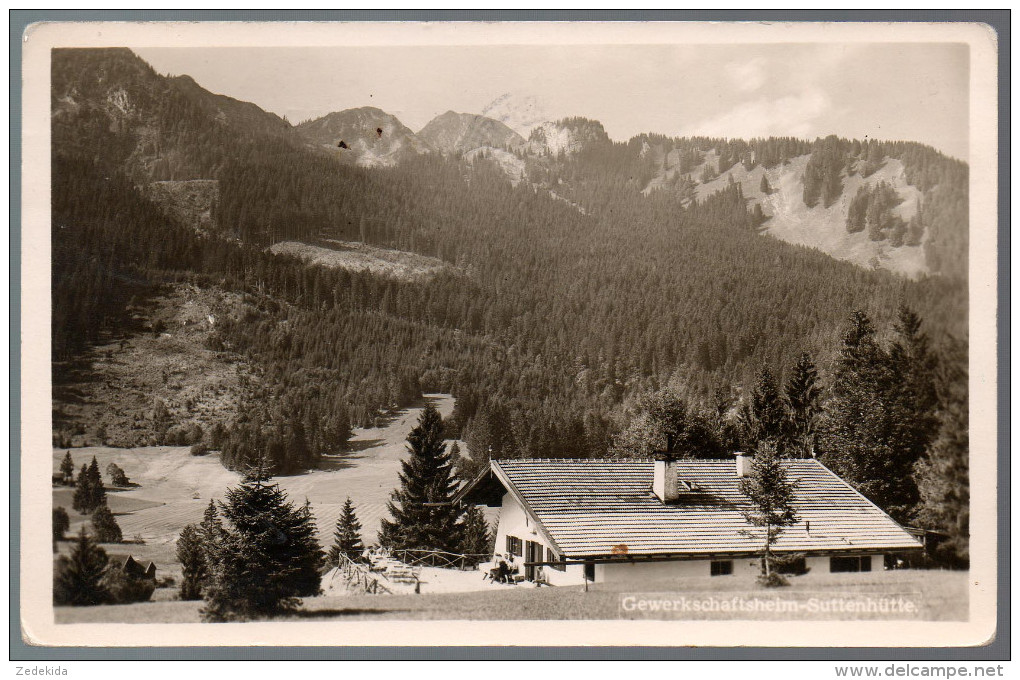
[939,595]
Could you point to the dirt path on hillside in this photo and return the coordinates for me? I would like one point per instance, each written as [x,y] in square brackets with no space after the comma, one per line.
[367,473]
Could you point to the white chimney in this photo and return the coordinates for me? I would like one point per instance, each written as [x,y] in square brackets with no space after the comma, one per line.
[664,480]
[743,463]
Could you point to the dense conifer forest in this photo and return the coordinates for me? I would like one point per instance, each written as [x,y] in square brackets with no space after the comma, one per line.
[555,319]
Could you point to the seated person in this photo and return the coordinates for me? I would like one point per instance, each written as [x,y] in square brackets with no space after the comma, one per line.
[503,569]
[512,569]
[540,577]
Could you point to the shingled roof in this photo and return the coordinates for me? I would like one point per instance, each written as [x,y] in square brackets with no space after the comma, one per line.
[602,507]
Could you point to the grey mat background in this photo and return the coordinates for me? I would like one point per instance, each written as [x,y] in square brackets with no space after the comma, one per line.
[999,649]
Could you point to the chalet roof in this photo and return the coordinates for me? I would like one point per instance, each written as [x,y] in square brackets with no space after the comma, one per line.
[130,565]
[603,507]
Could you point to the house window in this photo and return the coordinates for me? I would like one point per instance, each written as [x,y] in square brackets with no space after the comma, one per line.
[515,546]
[589,571]
[794,565]
[550,556]
[721,567]
[847,564]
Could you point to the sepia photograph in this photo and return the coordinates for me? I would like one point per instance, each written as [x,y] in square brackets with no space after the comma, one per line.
[550,334]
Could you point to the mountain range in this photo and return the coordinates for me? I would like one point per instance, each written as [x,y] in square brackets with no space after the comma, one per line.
[369,137]
[349,264]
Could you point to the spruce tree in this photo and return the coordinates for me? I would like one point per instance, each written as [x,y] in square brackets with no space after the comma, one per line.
[803,395]
[78,579]
[210,530]
[61,523]
[83,494]
[477,539]
[763,415]
[913,398]
[855,432]
[95,482]
[263,557]
[423,514]
[463,466]
[347,537]
[880,416]
[105,526]
[858,210]
[771,497]
[943,480]
[191,555]
[67,467]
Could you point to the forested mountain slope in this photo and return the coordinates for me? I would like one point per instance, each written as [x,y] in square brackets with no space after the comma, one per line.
[462,132]
[550,321]
[807,193]
[367,136]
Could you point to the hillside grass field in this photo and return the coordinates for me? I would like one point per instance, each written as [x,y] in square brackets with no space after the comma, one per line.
[938,595]
[172,488]
[361,257]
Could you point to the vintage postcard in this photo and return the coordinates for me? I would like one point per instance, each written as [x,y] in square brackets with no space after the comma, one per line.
[397,334]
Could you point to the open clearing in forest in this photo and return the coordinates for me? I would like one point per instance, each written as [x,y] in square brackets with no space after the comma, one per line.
[361,257]
[173,487]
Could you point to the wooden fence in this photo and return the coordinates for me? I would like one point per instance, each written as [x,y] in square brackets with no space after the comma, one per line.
[358,576]
[439,558]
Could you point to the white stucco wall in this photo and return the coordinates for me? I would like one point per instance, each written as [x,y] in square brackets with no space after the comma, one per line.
[817,565]
[514,520]
[743,568]
[637,572]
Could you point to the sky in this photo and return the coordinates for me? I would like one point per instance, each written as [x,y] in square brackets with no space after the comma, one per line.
[892,91]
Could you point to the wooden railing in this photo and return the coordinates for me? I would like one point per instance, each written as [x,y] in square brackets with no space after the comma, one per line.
[358,576]
[439,558]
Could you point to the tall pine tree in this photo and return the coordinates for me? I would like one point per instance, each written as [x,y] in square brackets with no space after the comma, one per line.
[943,473]
[82,501]
[423,515]
[347,537]
[191,555]
[943,480]
[210,530]
[856,431]
[771,497]
[263,557]
[105,526]
[803,395]
[78,579]
[67,467]
[763,415]
[61,523]
[913,398]
[89,492]
[477,540]
[95,482]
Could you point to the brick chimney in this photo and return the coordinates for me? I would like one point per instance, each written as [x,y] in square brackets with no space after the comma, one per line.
[665,485]
[743,463]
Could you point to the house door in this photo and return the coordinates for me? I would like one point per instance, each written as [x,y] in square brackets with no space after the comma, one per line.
[532,553]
